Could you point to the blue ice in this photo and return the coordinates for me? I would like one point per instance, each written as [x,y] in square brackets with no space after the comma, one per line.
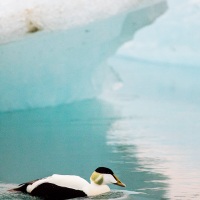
[44,64]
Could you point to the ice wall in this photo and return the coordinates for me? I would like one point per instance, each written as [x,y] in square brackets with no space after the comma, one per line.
[55,53]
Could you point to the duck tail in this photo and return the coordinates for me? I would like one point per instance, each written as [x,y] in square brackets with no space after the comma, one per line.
[21,188]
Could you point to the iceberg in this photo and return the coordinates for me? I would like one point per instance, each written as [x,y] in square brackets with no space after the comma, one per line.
[56,52]
[168,39]
[169,49]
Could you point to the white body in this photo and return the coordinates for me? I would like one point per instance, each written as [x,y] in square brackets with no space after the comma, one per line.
[70,181]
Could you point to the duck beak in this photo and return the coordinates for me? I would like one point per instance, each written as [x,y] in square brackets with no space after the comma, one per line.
[119,183]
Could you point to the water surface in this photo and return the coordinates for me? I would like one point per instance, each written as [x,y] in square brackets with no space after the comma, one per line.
[159,127]
[150,140]
[70,139]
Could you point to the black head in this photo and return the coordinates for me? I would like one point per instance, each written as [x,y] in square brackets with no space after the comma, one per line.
[104,170]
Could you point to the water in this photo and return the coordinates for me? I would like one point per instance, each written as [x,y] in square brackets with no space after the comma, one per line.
[69,139]
[159,129]
[151,143]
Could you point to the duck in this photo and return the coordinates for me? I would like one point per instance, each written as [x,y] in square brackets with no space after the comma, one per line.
[60,187]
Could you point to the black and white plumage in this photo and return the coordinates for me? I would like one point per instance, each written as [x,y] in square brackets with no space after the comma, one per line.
[60,187]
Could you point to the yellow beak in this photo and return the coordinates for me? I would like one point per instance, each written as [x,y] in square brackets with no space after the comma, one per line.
[119,182]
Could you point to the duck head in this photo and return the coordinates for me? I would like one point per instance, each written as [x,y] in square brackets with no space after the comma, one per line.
[104,176]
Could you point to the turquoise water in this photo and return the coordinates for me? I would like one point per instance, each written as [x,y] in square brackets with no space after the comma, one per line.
[148,135]
[68,139]
[71,139]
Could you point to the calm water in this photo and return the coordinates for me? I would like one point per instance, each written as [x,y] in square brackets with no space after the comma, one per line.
[149,135]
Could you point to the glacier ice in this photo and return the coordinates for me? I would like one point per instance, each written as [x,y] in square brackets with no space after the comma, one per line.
[166,54]
[19,17]
[173,38]
[58,54]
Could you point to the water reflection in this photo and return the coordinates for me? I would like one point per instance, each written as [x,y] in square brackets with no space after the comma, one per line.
[138,168]
[157,130]
[162,160]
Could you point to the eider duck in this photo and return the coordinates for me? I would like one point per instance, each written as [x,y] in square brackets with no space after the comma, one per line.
[59,187]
